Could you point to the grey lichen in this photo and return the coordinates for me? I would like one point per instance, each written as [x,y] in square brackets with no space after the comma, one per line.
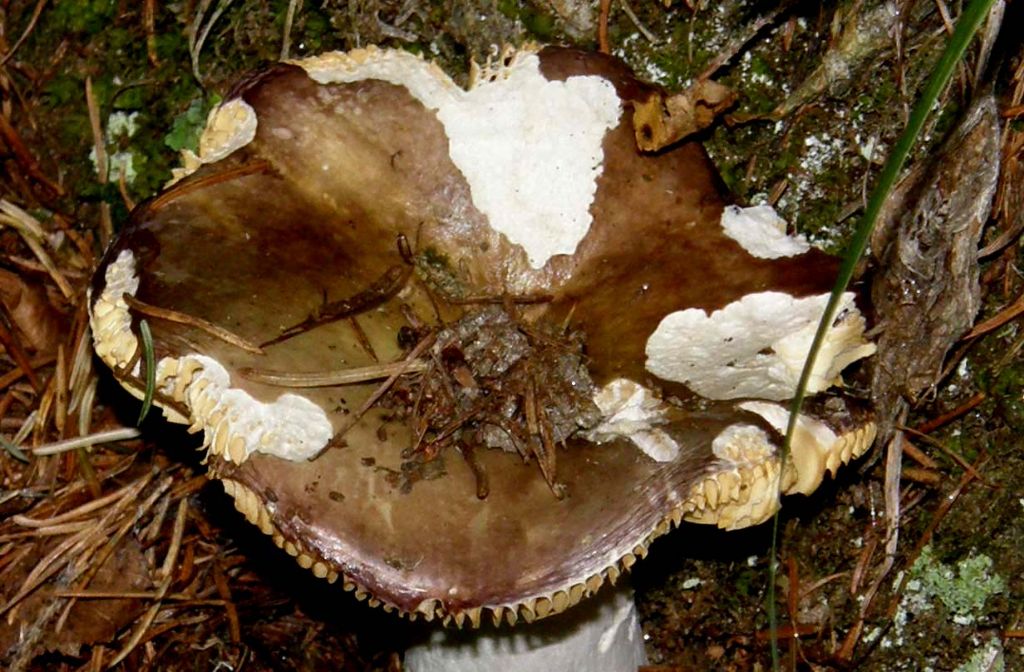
[963,589]
[988,658]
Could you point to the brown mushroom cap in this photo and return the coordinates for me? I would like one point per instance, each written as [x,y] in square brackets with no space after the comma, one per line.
[309,175]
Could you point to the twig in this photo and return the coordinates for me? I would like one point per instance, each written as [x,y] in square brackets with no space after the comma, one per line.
[52,531]
[919,456]
[60,381]
[84,246]
[651,37]
[947,417]
[32,233]
[294,6]
[36,12]
[947,21]
[483,487]
[198,39]
[380,290]
[100,145]
[362,338]
[45,408]
[25,158]
[72,547]
[98,141]
[952,454]
[502,299]
[122,188]
[360,374]
[809,589]
[149,25]
[793,589]
[734,47]
[85,407]
[940,513]
[83,510]
[1011,312]
[122,434]
[229,606]
[412,357]
[132,595]
[195,184]
[602,27]
[81,369]
[87,568]
[918,475]
[167,574]
[893,463]
[26,427]
[168,315]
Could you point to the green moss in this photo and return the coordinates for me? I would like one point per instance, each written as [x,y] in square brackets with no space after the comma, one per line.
[120,40]
[316,27]
[62,90]
[1006,388]
[750,582]
[171,46]
[83,16]
[188,126]
[539,24]
[132,98]
[871,99]
[509,8]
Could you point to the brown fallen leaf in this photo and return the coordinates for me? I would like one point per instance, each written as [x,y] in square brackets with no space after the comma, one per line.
[663,120]
[40,324]
[91,621]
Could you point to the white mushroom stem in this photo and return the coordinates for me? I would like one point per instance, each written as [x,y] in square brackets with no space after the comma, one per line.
[599,635]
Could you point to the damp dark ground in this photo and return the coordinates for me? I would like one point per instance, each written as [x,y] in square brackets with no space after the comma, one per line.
[824,90]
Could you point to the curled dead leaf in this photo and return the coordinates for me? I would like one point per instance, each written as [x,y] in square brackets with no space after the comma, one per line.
[663,120]
[37,320]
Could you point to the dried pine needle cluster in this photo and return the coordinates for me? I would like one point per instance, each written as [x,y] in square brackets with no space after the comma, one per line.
[493,380]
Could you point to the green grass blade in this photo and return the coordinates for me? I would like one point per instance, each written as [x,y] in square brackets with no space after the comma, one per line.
[966,27]
[150,372]
[14,451]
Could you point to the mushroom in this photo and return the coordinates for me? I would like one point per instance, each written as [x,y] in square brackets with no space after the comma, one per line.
[469,351]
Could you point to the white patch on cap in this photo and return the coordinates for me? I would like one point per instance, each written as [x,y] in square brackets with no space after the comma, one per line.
[761,232]
[529,148]
[120,275]
[631,411]
[743,488]
[742,444]
[109,317]
[229,127]
[756,346]
[813,440]
[292,427]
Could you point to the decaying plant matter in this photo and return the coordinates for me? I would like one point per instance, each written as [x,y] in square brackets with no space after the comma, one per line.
[495,381]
